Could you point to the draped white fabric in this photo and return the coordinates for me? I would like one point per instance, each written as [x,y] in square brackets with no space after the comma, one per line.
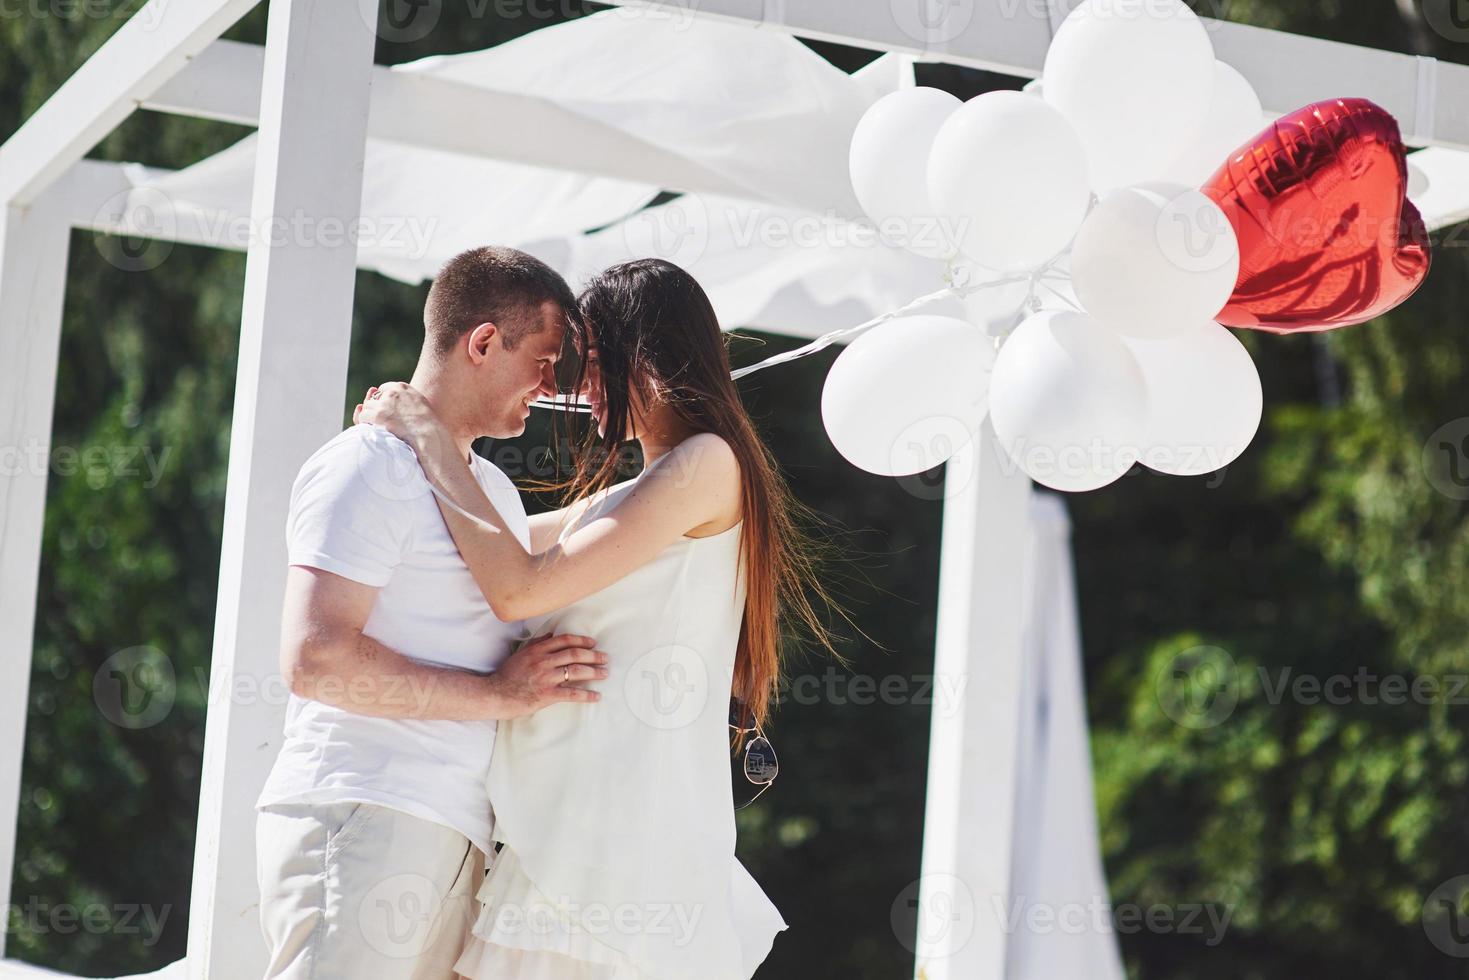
[754,112]
[1059,905]
[778,269]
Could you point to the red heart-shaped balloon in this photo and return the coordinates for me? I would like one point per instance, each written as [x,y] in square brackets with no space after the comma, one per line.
[1327,235]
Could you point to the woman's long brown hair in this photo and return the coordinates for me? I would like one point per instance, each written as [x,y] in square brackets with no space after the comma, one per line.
[653,328]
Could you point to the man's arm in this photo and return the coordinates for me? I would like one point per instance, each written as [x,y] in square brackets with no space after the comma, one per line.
[325,657]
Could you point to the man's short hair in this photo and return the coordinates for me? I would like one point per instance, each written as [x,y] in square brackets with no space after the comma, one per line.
[497,285]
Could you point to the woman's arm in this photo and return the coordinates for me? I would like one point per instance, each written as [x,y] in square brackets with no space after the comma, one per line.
[693,485]
[546,528]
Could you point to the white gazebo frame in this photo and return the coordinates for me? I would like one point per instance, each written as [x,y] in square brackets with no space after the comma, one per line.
[315,96]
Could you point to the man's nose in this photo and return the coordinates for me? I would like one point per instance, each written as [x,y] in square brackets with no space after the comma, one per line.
[548,383]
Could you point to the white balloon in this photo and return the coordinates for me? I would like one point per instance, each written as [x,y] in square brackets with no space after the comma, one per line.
[1068,401]
[1204,399]
[1151,258]
[909,394]
[1233,119]
[888,161]
[1012,170]
[1135,78]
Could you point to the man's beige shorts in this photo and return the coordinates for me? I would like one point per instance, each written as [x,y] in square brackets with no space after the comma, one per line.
[355,891]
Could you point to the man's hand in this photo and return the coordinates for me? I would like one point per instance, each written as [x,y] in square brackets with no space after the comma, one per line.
[544,671]
[325,657]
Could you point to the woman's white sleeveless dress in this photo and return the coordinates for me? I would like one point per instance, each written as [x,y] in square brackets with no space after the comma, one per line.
[618,816]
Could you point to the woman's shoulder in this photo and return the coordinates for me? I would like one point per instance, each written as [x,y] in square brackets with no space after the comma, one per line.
[706,456]
[708,442]
[703,472]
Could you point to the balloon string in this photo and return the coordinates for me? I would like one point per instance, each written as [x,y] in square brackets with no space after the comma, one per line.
[1058,294]
[827,339]
[958,287]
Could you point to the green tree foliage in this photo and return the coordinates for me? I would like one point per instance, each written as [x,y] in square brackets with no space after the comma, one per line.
[1322,828]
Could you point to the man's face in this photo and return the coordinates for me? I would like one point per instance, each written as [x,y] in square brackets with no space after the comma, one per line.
[512,379]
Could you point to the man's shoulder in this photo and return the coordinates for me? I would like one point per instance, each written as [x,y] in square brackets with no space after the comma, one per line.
[501,490]
[367,457]
[366,439]
[488,472]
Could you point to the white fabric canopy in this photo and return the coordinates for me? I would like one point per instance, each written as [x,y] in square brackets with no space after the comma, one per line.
[755,111]
[763,266]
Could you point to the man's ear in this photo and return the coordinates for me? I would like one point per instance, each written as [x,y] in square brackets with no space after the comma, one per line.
[482,341]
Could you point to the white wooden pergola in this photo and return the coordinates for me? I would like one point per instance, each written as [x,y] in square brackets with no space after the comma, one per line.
[315,96]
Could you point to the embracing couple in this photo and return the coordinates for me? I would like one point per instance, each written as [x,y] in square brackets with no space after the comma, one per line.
[507,747]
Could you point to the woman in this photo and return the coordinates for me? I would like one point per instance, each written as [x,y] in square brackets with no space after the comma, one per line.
[617,816]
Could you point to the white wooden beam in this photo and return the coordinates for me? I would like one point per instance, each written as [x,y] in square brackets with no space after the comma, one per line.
[222,82]
[426,111]
[17,970]
[156,42]
[33,254]
[1446,201]
[96,197]
[289,392]
[1430,98]
[974,741]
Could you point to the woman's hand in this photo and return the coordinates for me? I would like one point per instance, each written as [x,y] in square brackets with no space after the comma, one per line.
[403,411]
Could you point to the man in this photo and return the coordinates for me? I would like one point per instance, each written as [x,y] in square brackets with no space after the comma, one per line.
[375,821]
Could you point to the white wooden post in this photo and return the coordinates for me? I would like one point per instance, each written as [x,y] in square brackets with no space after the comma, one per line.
[964,889]
[33,247]
[289,390]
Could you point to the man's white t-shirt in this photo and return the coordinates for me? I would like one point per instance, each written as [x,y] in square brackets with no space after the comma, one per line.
[361,508]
